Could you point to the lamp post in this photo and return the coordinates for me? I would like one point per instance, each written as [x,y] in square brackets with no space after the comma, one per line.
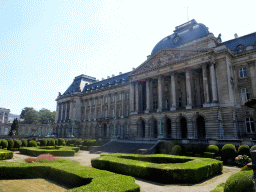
[160,136]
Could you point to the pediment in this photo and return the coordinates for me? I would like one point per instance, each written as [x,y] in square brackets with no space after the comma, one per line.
[167,57]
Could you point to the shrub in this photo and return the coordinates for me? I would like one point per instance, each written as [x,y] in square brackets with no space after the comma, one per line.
[240,182]
[51,142]
[17,144]
[0,142]
[228,151]
[198,155]
[24,142]
[171,144]
[189,153]
[38,143]
[159,146]
[0,147]
[188,148]
[61,142]
[43,142]
[176,150]
[209,155]
[69,141]
[10,144]
[5,154]
[78,142]
[85,142]
[253,148]
[244,150]
[56,141]
[245,168]
[162,151]
[4,143]
[32,143]
[200,148]
[91,143]
[213,149]
[242,160]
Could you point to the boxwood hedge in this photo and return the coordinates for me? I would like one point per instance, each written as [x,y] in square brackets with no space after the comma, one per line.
[35,151]
[5,154]
[71,174]
[160,168]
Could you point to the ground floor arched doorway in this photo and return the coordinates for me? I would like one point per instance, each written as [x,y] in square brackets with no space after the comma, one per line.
[153,128]
[141,128]
[183,126]
[200,123]
[167,128]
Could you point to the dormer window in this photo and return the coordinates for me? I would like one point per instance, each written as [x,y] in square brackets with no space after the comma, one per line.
[240,48]
[243,72]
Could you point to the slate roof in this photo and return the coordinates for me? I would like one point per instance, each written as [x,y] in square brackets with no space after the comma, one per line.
[186,32]
[105,83]
[246,40]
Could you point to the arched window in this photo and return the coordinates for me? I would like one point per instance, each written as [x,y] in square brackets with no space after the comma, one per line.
[240,48]
[249,123]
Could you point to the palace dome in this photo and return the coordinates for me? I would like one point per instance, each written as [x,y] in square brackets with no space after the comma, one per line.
[182,34]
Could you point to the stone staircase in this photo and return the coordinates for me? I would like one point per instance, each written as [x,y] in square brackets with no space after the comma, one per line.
[123,147]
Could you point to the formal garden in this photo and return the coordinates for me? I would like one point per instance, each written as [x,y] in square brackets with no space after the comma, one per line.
[173,163]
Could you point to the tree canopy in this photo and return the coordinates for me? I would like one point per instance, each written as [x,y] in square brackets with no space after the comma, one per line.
[43,116]
[14,127]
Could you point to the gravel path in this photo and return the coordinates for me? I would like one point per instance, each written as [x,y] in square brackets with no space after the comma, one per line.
[84,158]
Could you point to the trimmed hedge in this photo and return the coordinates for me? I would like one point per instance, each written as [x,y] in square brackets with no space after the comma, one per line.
[253,148]
[176,150]
[171,144]
[24,142]
[43,142]
[5,154]
[34,151]
[175,169]
[10,144]
[56,141]
[32,143]
[228,151]
[213,149]
[61,142]
[17,144]
[86,148]
[240,182]
[244,150]
[4,143]
[80,178]
[209,155]
[51,142]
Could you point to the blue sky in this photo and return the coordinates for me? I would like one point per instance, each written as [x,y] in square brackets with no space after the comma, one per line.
[45,44]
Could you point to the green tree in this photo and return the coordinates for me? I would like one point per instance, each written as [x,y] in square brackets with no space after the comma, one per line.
[15,126]
[31,117]
[26,109]
[46,116]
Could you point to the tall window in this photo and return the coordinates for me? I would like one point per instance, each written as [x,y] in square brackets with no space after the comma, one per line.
[180,102]
[93,101]
[127,110]
[93,116]
[249,123]
[166,104]
[106,99]
[98,116]
[113,112]
[120,96]
[106,112]
[126,95]
[243,72]
[166,88]
[155,105]
[113,98]
[99,100]
[119,112]
[245,94]
[89,102]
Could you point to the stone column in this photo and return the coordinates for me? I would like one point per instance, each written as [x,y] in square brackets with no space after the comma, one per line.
[147,96]
[131,97]
[66,110]
[122,109]
[251,65]
[101,115]
[71,110]
[150,95]
[214,84]
[160,93]
[116,97]
[174,98]
[61,118]
[109,101]
[95,108]
[188,88]
[57,113]
[90,116]
[137,97]
[206,86]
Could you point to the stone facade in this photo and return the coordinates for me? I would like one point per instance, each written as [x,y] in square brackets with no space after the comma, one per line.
[186,89]
[4,115]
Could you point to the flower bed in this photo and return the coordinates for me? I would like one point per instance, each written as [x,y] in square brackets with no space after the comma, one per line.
[35,151]
[5,154]
[160,168]
[80,178]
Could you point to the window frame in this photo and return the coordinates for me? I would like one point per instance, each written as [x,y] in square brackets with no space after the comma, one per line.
[245,95]
[242,72]
[249,121]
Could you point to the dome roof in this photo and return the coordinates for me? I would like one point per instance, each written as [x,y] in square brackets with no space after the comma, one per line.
[182,34]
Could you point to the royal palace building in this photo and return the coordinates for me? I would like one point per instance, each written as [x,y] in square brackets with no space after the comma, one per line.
[192,86]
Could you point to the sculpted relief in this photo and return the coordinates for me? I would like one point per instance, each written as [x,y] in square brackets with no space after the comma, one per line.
[164,58]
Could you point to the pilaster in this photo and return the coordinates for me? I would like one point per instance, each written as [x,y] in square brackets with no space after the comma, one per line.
[214,85]
[206,86]
[173,92]
[188,88]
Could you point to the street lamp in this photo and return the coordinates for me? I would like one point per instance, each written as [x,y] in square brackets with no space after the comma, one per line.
[160,136]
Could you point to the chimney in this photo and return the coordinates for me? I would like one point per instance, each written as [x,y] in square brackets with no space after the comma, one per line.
[102,79]
[108,77]
[133,68]
[120,73]
[149,56]
[113,75]
[236,36]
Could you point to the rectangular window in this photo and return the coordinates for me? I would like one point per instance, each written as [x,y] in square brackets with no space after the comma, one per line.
[127,110]
[113,98]
[106,99]
[99,100]
[243,72]
[119,112]
[180,102]
[120,96]
[113,112]
[166,104]
[106,112]
[245,93]
[89,103]
[155,105]
[127,95]
[93,101]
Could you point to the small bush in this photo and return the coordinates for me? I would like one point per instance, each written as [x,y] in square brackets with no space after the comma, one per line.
[189,154]
[159,146]
[228,151]
[200,148]
[246,168]
[17,144]
[56,142]
[43,142]
[24,142]
[188,148]
[171,144]
[209,155]
[162,151]
[32,143]
[213,149]
[4,143]
[244,150]
[61,142]
[176,150]
[85,142]
[78,142]
[242,160]
[5,154]
[240,182]
[51,142]
[38,143]
[69,142]
[198,155]
[253,148]
[10,144]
